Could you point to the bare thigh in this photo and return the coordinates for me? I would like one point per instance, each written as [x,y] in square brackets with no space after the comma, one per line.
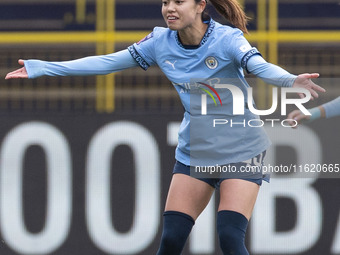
[188,195]
[239,196]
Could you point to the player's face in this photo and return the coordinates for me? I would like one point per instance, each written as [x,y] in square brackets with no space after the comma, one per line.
[180,14]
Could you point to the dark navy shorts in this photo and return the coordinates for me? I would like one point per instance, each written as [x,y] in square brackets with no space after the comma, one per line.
[215,182]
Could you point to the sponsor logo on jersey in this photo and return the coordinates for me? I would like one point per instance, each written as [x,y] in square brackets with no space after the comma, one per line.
[172,64]
[211,62]
[245,48]
[149,36]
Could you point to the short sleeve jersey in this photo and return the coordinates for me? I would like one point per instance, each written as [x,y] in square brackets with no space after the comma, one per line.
[222,53]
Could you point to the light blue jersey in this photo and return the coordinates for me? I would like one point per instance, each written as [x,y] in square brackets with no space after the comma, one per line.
[222,53]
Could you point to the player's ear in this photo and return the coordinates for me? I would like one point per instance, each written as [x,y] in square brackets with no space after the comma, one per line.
[202,4]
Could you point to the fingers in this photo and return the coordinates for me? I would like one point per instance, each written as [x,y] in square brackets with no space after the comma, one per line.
[311,75]
[301,117]
[301,95]
[292,114]
[292,123]
[298,116]
[318,88]
[314,94]
[315,89]
[10,75]
[290,118]
[306,76]
[15,76]
[304,81]
[20,73]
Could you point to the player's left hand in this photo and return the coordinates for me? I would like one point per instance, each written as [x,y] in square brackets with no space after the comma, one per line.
[304,81]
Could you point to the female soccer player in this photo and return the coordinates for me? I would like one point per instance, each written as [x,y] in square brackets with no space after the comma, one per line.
[327,110]
[195,46]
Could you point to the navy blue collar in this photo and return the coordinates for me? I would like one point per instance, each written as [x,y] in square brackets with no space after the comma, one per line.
[211,26]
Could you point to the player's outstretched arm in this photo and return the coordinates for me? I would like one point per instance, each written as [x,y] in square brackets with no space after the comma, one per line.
[19,73]
[94,65]
[276,75]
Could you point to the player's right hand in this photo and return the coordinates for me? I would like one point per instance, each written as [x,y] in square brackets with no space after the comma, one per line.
[19,73]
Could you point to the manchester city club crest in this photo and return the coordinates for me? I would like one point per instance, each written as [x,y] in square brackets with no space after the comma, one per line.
[211,62]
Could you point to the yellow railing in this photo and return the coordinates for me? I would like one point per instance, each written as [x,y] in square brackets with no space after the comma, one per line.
[129,37]
[105,24]
[80,11]
[267,38]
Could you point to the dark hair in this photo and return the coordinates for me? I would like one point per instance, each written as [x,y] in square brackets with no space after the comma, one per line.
[232,11]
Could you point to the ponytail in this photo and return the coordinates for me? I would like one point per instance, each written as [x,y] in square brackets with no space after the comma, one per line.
[233,12]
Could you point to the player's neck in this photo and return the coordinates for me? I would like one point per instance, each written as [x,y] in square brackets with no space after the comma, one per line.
[193,35]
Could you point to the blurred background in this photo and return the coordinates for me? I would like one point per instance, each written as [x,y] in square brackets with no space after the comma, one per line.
[85,162]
